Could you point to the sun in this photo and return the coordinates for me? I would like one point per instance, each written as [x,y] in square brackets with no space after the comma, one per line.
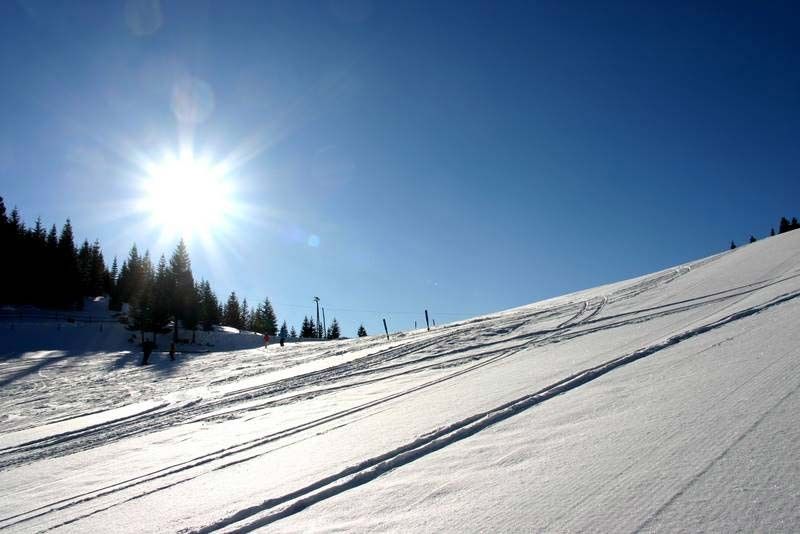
[184,196]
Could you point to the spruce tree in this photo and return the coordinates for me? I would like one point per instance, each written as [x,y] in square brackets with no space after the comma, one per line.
[115,303]
[284,331]
[362,332]
[84,267]
[308,330]
[784,225]
[160,296]
[180,267]
[772,232]
[752,239]
[794,225]
[733,245]
[244,320]
[69,275]
[38,264]
[210,313]
[130,276]
[293,333]
[97,271]
[191,318]
[270,319]
[333,331]
[232,313]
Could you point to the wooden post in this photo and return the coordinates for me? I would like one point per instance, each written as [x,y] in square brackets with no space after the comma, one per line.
[427,322]
[386,328]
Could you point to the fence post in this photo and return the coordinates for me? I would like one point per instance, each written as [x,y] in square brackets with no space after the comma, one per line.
[386,328]
[427,322]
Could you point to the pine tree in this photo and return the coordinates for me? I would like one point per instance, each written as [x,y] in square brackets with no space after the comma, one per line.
[284,331]
[84,267]
[130,276]
[752,239]
[115,303]
[333,331]
[191,319]
[180,267]
[232,313]
[270,319]
[733,245]
[362,332]
[772,232]
[160,297]
[784,225]
[97,271]
[794,225]
[209,307]
[308,330]
[69,275]
[293,333]
[244,320]
[38,264]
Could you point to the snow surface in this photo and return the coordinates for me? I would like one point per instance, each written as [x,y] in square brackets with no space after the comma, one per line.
[664,403]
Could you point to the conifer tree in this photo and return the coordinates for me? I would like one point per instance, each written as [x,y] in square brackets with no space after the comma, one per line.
[333,331]
[69,275]
[784,225]
[192,317]
[115,302]
[362,332]
[293,333]
[244,320]
[308,330]
[270,320]
[284,331]
[752,239]
[183,284]
[209,307]
[733,245]
[130,277]
[38,264]
[84,267]
[97,271]
[772,232]
[232,313]
[160,296]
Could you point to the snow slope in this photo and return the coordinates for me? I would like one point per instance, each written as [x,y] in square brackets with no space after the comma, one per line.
[667,402]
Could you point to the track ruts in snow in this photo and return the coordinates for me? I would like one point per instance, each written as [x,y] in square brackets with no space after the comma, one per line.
[291,503]
[375,363]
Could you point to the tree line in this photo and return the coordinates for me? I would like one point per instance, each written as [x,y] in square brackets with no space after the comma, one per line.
[45,268]
[784,226]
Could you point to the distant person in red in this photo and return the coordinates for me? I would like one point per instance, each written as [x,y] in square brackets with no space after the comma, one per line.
[266,340]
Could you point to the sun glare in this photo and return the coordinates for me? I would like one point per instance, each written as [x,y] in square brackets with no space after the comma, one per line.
[186,197]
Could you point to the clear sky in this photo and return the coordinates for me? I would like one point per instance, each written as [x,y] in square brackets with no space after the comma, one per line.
[389,157]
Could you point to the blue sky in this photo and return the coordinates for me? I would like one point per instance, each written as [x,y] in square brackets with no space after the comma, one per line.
[463,157]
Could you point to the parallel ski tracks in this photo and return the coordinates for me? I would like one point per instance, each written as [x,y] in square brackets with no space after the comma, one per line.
[411,357]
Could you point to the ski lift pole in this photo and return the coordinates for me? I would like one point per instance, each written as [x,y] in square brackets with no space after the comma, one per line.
[386,328]
[427,322]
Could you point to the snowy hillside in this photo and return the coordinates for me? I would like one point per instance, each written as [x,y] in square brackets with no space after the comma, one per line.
[668,402]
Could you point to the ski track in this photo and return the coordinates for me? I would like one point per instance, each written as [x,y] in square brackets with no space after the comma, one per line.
[357,475]
[575,319]
[195,410]
[227,452]
[313,384]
